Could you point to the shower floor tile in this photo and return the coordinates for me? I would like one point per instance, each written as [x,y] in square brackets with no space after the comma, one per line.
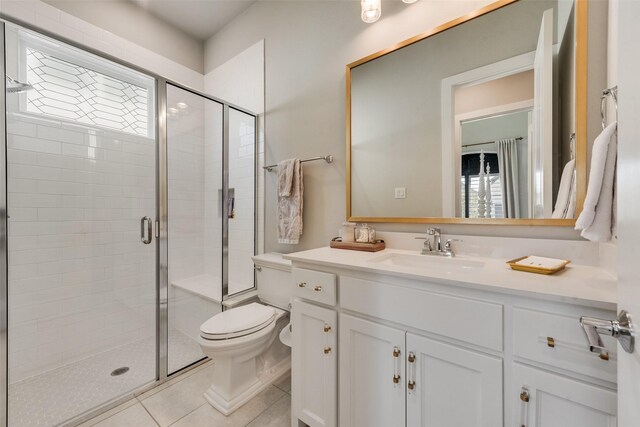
[53,397]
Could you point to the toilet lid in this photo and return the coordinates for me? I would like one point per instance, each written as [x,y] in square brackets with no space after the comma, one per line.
[238,321]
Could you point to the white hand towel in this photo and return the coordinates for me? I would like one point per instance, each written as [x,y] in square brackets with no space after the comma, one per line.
[290,201]
[571,209]
[600,228]
[565,191]
[599,161]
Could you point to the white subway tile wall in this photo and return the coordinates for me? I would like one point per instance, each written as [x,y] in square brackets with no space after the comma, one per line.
[80,280]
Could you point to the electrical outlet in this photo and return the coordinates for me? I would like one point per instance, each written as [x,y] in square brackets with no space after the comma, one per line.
[401,193]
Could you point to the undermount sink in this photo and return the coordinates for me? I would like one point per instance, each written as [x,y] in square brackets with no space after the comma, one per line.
[428,262]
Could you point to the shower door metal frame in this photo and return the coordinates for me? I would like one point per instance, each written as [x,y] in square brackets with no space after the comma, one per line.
[160,222]
[4,300]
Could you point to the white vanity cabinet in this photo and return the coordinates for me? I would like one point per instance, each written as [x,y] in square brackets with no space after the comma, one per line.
[449,386]
[390,377]
[314,365]
[372,379]
[416,352]
[550,400]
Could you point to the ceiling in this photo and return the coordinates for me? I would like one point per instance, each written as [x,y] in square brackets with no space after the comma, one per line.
[200,19]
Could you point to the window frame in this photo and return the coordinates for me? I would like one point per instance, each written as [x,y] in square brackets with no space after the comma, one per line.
[97,65]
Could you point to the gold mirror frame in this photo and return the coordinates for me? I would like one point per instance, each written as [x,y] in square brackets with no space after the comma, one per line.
[581,123]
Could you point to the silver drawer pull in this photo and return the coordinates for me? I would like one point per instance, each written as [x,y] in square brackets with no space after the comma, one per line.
[302,285]
[318,288]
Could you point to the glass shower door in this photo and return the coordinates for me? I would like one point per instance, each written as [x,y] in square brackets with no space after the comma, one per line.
[194,215]
[81,182]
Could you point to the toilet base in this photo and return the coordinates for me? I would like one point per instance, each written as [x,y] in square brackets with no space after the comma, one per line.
[227,407]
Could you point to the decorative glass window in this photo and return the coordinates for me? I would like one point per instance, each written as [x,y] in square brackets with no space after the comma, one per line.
[70,91]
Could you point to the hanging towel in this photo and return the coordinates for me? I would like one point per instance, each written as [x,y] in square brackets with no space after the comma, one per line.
[290,192]
[565,191]
[595,221]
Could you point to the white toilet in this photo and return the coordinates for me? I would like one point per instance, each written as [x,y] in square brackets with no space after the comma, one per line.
[243,341]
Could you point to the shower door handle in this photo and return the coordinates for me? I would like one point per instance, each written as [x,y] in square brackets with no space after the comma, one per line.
[146,240]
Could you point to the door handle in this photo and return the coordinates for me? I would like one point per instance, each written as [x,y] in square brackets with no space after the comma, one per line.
[621,329]
[149,236]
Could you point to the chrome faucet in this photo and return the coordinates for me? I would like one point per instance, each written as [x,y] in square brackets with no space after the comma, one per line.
[437,242]
[436,247]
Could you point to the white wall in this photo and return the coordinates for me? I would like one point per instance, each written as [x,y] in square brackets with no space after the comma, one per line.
[75,29]
[148,31]
[494,93]
[307,45]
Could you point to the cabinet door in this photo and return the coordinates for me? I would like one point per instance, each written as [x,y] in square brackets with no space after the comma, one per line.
[314,365]
[451,386]
[543,399]
[372,383]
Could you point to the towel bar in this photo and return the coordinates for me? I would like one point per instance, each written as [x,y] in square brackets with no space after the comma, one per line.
[328,158]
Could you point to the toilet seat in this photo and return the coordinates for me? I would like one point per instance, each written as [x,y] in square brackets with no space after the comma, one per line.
[238,322]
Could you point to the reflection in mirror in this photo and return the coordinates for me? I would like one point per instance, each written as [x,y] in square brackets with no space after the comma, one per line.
[472,122]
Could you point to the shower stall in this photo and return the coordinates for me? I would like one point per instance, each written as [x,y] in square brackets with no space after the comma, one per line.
[127,218]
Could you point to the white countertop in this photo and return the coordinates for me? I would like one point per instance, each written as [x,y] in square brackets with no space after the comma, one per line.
[577,284]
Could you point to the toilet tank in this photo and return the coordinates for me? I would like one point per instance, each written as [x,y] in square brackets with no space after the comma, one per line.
[273,279]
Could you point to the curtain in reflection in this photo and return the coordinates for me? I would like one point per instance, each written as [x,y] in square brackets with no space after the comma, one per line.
[508,167]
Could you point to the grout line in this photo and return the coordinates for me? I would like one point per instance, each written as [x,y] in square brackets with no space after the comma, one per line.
[286,396]
[265,410]
[186,415]
[147,411]
[280,388]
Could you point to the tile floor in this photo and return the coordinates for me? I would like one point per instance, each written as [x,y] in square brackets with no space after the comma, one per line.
[180,403]
[53,397]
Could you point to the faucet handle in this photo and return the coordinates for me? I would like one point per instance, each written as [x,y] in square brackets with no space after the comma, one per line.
[448,246]
[427,244]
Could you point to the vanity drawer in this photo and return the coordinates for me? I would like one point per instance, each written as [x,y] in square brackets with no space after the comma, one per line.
[314,285]
[464,319]
[558,340]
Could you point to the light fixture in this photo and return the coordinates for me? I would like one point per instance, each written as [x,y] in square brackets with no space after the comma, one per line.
[371,10]
[409,1]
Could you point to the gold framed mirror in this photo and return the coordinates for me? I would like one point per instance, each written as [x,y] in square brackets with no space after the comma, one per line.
[473,122]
